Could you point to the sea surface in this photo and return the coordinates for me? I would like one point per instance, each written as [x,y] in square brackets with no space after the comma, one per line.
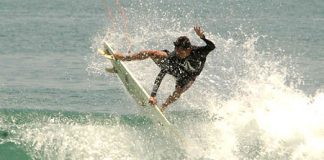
[260,95]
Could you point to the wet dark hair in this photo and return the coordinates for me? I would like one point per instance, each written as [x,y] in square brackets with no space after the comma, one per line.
[182,42]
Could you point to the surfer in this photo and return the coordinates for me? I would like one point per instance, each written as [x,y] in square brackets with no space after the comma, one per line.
[185,63]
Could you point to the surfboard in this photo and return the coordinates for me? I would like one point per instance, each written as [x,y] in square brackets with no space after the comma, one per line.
[135,89]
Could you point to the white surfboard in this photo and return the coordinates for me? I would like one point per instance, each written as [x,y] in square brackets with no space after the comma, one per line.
[132,85]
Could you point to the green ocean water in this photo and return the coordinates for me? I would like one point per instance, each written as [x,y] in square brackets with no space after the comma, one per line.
[260,95]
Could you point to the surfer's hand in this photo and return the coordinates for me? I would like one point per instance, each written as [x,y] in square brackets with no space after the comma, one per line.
[199,31]
[152,100]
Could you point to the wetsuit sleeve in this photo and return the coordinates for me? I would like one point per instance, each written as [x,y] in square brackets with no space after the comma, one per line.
[157,82]
[208,48]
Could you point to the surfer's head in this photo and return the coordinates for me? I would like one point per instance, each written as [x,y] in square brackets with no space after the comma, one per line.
[182,46]
[182,42]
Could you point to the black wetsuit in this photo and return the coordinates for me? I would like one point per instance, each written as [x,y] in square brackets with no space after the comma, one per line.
[184,70]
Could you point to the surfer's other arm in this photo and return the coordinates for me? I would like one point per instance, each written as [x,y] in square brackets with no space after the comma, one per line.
[156,86]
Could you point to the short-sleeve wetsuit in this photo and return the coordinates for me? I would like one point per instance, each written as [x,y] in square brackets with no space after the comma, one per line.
[184,70]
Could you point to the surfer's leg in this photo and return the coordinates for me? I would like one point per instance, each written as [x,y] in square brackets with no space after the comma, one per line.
[179,89]
[141,55]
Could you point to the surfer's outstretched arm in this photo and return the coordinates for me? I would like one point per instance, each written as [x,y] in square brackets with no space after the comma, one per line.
[210,45]
[141,55]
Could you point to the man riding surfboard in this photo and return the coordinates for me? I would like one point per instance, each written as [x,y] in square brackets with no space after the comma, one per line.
[185,63]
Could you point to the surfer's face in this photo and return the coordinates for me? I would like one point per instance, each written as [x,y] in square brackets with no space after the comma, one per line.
[182,53]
